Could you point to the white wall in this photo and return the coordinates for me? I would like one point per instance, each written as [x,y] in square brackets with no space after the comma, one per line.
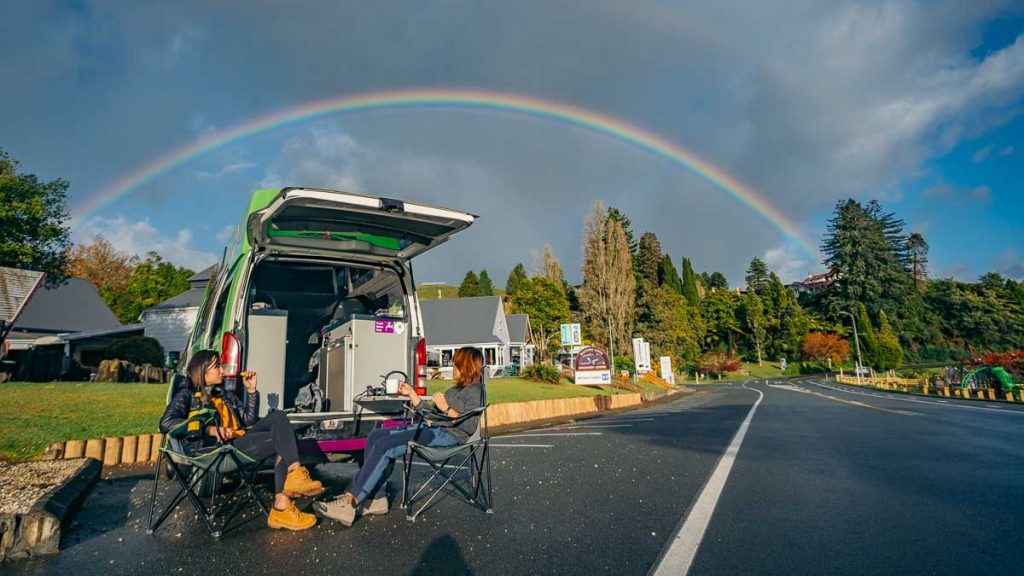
[171,328]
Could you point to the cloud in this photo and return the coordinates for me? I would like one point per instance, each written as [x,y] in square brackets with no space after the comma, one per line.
[982,154]
[939,192]
[1007,151]
[1009,263]
[788,263]
[982,194]
[319,157]
[228,169]
[225,233]
[141,237]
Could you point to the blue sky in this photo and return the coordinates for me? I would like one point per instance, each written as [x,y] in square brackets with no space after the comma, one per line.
[917,104]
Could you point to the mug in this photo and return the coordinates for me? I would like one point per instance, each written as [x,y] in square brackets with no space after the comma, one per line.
[391,386]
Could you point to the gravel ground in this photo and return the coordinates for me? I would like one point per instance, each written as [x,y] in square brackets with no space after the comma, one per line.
[21,485]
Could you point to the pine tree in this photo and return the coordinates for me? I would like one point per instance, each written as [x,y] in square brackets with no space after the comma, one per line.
[486,286]
[690,290]
[917,253]
[890,353]
[470,285]
[757,275]
[515,278]
[668,275]
[648,258]
[717,281]
[627,227]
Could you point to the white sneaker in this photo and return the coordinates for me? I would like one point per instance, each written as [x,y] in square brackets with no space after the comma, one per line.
[377,506]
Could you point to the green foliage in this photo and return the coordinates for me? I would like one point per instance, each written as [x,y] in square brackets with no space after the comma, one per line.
[648,259]
[137,350]
[690,290]
[754,322]
[757,275]
[868,341]
[719,309]
[34,233]
[515,277]
[470,286]
[486,286]
[548,309]
[716,281]
[150,283]
[890,353]
[624,363]
[541,373]
[676,328]
[627,227]
[669,276]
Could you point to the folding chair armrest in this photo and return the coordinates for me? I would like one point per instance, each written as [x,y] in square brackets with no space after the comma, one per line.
[204,417]
[443,421]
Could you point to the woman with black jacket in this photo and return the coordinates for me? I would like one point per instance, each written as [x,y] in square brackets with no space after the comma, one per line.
[237,422]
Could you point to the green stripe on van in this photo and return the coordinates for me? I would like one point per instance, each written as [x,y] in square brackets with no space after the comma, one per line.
[378,241]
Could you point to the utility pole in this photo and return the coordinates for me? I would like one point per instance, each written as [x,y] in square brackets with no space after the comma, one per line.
[856,342]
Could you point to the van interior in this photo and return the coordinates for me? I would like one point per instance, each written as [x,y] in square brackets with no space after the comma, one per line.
[301,298]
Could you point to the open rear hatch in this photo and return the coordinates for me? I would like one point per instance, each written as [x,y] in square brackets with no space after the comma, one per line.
[328,222]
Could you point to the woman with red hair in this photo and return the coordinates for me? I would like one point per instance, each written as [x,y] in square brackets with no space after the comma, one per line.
[384,446]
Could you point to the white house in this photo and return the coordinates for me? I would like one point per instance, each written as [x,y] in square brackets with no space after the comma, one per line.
[452,323]
[521,346]
[171,321]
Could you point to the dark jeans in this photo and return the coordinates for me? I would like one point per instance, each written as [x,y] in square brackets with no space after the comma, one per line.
[271,435]
[385,445]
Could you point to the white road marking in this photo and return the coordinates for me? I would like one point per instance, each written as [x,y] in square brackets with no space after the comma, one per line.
[603,420]
[944,404]
[557,434]
[682,549]
[579,426]
[521,445]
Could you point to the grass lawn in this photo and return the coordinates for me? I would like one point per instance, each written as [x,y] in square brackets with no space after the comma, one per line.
[748,371]
[501,390]
[33,415]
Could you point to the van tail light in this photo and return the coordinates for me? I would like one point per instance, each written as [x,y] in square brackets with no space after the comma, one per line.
[230,355]
[421,367]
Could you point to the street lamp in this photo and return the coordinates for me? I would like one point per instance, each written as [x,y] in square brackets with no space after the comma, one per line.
[856,342]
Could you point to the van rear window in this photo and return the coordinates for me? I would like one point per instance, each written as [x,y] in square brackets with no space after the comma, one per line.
[292,278]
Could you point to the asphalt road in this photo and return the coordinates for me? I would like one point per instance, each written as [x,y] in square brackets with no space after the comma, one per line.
[827,480]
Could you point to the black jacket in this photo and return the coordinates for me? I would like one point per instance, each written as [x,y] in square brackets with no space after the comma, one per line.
[246,412]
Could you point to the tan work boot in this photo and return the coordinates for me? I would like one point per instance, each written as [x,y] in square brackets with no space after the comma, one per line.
[290,518]
[340,509]
[376,506]
[298,483]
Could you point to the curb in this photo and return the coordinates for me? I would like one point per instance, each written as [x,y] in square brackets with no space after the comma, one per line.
[987,395]
[37,532]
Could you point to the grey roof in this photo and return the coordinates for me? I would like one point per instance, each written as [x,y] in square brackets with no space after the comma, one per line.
[518,327]
[16,287]
[458,321]
[117,330]
[71,307]
[202,278]
[188,299]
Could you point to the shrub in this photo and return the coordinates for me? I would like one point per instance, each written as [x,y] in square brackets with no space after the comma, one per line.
[624,363]
[718,363]
[541,373]
[137,350]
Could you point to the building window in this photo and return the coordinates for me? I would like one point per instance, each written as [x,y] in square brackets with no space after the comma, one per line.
[489,356]
[433,358]
[446,358]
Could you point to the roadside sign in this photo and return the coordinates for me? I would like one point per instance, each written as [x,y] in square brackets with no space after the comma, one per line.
[666,369]
[571,335]
[642,355]
[591,366]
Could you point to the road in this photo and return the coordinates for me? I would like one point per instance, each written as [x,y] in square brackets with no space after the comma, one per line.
[827,479]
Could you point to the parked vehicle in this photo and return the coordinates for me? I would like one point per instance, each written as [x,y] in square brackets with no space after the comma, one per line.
[315,292]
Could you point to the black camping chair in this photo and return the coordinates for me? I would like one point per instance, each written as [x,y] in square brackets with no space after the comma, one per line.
[200,476]
[449,463]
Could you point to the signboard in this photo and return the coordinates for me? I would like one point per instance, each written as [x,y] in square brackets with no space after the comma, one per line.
[571,335]
[642,355]
[666,369]
[592,367]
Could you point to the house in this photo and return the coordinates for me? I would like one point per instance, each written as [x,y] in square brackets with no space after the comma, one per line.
[521,344]
[16,288]
[171,321]
[814,282]
[70,322]
[452,323]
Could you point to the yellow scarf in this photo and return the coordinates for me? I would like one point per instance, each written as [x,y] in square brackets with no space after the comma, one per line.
[227,418]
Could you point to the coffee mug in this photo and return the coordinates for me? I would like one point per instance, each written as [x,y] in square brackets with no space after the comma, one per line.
[391,386]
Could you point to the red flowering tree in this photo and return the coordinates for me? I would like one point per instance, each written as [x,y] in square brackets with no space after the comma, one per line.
[822,347]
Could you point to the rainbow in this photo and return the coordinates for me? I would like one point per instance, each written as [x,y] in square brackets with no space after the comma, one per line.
[463,99]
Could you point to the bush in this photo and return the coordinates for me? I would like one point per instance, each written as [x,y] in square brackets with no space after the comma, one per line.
[718,363]
[541,373]
[624,363]
[137,350]
[812,368]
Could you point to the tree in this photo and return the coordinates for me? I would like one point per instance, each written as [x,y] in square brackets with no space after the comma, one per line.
[608,291]
[757,275]
[717,281]
[137,350]
[754,322]
[669,276]
[152,282]
[648,258]
[107,269]
[627,227]
[552,268]
[470,285]
[719,310]
[484,282]
[826,348]
[548,308]
[690,291]
[34,234]
[917,253]
[676,328]
[868,342]
[890,353]
[515,277]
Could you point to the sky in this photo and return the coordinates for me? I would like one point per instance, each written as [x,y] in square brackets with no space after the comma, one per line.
[916,104]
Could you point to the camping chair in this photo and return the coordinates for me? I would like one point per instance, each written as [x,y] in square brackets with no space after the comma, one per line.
[199,478]
[472,457]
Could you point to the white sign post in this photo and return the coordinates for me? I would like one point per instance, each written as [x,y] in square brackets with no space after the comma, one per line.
[666,370]
[571,335]
[641,355]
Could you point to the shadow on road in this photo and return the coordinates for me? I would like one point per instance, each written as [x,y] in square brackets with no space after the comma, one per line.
[442,556]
